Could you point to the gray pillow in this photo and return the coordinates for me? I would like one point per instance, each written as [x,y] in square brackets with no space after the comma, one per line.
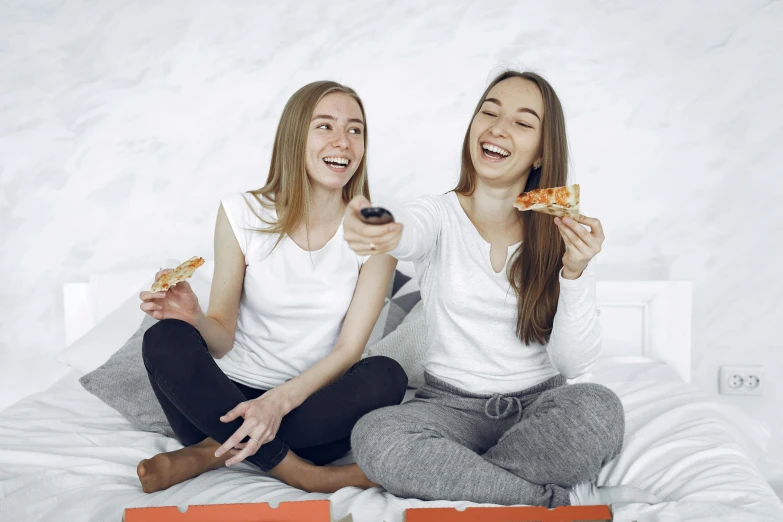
[122,383]
[402,296]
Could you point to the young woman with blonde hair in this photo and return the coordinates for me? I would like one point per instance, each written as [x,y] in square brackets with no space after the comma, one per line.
[271,372]
[511,312]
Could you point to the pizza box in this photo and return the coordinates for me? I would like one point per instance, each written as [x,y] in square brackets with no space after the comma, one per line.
[511,514]
[319,511]
[299,511]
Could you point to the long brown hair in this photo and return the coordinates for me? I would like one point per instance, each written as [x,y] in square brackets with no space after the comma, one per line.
[534,271]
[288,186]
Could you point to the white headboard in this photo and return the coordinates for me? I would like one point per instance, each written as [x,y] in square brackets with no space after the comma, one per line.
[648,318]
[643,318]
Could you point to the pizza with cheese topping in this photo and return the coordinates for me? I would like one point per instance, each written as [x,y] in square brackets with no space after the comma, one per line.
[179,274]
[558,201]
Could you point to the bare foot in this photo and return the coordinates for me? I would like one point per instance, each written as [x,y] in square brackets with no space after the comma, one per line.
[300,474]
[168,469]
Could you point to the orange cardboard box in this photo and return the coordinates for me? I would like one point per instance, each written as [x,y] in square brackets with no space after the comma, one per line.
[511,514]
[319,511]
[304,511]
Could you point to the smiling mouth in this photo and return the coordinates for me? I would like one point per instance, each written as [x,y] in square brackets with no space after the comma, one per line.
[494,152]
[337,164]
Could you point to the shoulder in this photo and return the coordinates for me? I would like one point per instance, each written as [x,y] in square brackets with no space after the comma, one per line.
[248,215]
[247,209]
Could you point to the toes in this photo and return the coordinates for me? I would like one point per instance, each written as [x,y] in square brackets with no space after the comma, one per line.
[141,470]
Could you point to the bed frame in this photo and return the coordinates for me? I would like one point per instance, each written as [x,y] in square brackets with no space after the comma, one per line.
[648,318]
[641,318]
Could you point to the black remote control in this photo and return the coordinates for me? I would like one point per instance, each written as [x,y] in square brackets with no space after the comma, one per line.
[376,216]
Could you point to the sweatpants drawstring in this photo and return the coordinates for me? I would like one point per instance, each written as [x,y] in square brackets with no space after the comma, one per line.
[508,403]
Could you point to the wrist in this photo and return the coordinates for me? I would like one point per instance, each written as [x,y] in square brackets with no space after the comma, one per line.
[570,274]
[283,399]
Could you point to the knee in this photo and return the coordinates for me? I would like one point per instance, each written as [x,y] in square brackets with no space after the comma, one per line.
[372,441]
[367,434]
[602,413]
[165,340]
[605,405]
[388,377]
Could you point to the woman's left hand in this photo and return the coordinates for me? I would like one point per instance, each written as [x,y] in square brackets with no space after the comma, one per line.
[582,244]
[262,420]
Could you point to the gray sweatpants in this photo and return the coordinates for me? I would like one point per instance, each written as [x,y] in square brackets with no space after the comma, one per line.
[528,447]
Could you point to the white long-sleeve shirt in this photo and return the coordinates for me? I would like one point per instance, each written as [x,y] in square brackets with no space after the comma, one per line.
[471,310]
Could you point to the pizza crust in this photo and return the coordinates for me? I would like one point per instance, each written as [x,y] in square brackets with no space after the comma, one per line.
[557,201]
[179,274]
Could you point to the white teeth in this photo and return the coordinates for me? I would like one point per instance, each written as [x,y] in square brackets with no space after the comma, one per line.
[341,161]
[495,149]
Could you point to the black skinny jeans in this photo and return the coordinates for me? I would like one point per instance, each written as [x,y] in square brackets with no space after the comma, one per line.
[194,392]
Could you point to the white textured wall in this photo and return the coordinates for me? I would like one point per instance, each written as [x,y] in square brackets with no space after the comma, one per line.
[122,123]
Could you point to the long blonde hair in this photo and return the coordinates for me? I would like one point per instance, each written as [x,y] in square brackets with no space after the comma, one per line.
[534,271]
[288,186]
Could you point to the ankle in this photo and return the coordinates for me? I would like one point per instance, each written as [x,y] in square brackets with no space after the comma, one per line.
[297,473]
[204,452]
[360,478]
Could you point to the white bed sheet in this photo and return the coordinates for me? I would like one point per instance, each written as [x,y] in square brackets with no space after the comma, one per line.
[64,455]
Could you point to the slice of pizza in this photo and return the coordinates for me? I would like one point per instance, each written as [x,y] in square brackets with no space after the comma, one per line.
[182,272]
[558,201]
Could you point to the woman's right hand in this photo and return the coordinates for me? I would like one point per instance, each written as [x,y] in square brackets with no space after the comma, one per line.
[178,302]
[367,240]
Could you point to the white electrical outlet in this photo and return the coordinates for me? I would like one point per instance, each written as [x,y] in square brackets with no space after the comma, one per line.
[741,380]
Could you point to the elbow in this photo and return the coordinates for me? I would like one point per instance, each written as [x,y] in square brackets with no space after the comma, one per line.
[218,352]
[572,366]
[571,370]
[347,355]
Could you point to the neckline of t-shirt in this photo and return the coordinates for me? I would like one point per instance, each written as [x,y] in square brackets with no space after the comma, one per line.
[273,214]
[336,233]
[464,217]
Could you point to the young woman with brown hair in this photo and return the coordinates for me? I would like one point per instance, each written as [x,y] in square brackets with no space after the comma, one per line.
[511,313]
[271,372]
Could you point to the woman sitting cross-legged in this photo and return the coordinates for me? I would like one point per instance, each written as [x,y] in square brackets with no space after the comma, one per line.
[271,372]
[511,312]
